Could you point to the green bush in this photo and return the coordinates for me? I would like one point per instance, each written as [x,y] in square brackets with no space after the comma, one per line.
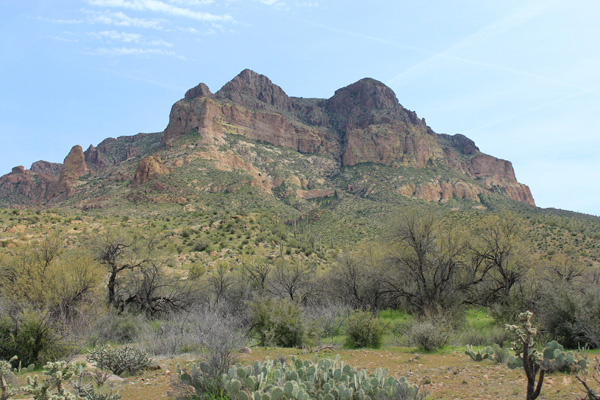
[277,322]
[31,338]
[364,330]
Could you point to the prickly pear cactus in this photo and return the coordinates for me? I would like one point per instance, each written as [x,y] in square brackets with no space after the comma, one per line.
[324,379]
[478,355]
[556,359]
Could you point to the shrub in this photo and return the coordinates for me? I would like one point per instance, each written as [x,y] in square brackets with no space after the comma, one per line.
[363,329]
[430,332]
[536,364]
[277,322]
[483,337]
[220,338]
[117,328]
[127,359]
[31,337]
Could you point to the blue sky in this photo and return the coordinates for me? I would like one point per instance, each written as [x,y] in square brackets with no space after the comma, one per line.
[521,78]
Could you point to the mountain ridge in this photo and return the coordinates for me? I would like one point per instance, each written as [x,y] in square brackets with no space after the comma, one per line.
[362,123]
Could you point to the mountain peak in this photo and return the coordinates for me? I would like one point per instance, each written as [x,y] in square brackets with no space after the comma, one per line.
[367,99]
[366,94]
[254,90]
[198,91]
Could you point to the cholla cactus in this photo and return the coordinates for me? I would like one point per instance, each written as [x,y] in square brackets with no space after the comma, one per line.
[526,355]
[552,358]
[127,359]
[52,387]
[6,374]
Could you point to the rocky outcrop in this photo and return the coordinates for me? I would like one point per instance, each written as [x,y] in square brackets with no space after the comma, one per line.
[73,168]
[93,158]
[360,123]
[45,167]
[253,90]
[198,91]
[147,169]
[378,129]
[442,191]
[26,187]
[212,119]
[499,174]
[314,193]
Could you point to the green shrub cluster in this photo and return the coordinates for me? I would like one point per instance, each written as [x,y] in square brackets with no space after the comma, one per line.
[363,329]
[31,338]
[277,322]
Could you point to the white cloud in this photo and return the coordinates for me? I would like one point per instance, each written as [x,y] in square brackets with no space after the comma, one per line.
[161,7]
[62,21]
[192,2]
[124,37]
[160,42]
[119,36]
[63,39]
[312,4]
[189,30]
[273,3]
[523,14]
[132,51]
[121,19]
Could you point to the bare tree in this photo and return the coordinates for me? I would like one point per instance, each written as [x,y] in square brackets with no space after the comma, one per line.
[256,272]
[356,280]
[497,245]
[152,291]
[136,274]
[425,264]
[220,280]
[293,279]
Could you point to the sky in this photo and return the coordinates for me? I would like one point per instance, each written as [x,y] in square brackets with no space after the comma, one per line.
[521,78]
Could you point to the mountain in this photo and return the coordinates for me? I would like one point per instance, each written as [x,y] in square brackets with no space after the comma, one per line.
[250,135]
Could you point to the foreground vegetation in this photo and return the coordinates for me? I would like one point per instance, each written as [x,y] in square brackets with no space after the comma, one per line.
[211,282]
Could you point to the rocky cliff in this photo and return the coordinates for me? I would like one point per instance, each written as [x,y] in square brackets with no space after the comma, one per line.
[73,168]
[25,187]
[360,123]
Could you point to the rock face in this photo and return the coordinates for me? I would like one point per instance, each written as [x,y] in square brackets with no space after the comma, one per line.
[360,123]
[148,168]
[22,186]
[93,158]
[45,167]
[74,167]
[339,143]
[252,90]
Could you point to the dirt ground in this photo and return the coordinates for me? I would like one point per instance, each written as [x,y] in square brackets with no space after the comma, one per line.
[451,375]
